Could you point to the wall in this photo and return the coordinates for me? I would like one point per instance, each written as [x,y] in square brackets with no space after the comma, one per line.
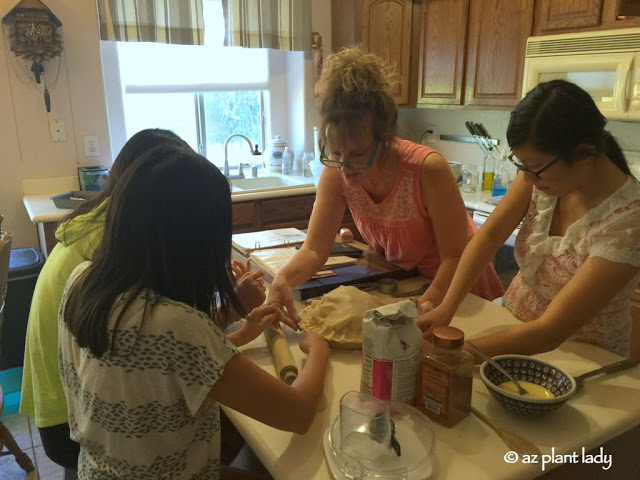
[412,123]
[78,99]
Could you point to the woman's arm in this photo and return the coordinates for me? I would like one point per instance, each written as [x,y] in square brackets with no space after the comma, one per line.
[250,390]
[324,224]
[596,282]
[442,201]
[478,253]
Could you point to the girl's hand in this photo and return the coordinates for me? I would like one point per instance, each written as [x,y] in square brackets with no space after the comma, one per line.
[251,290]
[313,342]
[255,323]
[240,269]
[280,294]
[430,317]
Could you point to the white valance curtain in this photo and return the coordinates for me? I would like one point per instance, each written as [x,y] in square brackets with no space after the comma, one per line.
[160,21]
[278,24]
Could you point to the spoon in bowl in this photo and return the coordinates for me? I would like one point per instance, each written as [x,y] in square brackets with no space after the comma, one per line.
[497,366]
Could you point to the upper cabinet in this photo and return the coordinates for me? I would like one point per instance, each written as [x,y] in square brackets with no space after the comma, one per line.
[472,51]
[563,16]
[386,31]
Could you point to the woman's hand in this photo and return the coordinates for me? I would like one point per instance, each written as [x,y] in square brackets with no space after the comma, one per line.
[251,289]
[430,317]
[280,295]
[255,323]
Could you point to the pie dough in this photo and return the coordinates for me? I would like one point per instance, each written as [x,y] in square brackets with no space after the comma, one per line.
[337,316]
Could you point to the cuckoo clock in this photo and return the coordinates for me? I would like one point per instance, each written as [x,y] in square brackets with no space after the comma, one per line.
[33,32]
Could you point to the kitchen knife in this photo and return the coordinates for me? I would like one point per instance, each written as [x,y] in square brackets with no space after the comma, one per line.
[481,135]
[607,369]
[475,135]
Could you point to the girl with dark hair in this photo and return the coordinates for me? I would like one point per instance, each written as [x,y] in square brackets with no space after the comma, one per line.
[42,397]
[579,245]
[143,361]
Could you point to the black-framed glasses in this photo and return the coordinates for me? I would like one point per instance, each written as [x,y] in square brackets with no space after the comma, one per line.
[354,165]
[535,174]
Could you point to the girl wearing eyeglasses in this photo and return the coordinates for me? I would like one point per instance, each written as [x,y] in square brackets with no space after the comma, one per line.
[402,196]
[579,244]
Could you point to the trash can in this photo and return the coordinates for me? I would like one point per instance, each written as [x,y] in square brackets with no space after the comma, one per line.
[24,267]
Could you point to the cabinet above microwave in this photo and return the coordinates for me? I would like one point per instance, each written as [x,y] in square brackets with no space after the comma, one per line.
[604,63]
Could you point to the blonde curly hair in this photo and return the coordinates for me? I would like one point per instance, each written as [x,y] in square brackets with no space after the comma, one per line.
[354,91]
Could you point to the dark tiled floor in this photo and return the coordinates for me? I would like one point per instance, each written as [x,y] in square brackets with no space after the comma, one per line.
[26,435]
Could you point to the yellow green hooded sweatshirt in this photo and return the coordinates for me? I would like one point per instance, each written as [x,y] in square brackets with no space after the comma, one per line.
[42,396]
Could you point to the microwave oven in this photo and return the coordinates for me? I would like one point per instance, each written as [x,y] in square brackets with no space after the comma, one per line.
[605,63]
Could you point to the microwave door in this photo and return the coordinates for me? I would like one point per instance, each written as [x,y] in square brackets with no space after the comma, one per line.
[603,76]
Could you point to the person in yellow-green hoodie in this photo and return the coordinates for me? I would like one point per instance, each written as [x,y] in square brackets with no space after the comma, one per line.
[79,233]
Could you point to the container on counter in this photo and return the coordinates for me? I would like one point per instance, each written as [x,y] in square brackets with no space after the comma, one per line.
[287,161]
[487,176]
[502,176]
[446,377]
[274,153]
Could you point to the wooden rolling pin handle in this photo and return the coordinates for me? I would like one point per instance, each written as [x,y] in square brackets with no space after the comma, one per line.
[282,358]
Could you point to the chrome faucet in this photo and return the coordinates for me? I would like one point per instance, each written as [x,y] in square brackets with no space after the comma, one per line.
[226,162]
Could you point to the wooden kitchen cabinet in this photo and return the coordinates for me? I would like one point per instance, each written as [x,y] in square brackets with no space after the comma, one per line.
[280,212]
[564,16]
[496,45]
[472,51]
[387,32]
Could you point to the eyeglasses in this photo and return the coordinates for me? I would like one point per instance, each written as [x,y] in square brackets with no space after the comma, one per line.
[535,174]
[354,165]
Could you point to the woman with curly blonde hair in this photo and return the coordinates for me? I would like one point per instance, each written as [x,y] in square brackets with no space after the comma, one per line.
[402,195]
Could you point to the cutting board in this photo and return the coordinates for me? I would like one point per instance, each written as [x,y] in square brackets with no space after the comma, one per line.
[369,268]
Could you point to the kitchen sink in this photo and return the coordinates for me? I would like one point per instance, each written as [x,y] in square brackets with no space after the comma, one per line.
[274,182]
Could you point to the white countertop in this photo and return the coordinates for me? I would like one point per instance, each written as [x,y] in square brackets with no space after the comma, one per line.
[476,201]
[606,407]
[40,207]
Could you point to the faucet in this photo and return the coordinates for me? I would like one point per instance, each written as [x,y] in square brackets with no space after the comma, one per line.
[254,170]
[226,161]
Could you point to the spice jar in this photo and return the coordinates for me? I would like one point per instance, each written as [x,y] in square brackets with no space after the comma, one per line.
[446,376]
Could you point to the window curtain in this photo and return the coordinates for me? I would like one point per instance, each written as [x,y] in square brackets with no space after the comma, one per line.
[278,24]
[160,21]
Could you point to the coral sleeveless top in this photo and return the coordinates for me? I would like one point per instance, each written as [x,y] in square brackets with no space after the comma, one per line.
[400,228]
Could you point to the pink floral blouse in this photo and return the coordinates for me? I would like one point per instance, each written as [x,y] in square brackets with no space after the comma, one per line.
[610,230]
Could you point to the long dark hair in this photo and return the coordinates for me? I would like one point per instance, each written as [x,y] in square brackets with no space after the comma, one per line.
[139,143]
[167,229]
[557,117]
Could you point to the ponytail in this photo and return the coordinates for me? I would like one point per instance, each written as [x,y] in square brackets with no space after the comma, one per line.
[612,150]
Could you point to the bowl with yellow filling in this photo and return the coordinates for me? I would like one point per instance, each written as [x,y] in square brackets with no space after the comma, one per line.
[548,386]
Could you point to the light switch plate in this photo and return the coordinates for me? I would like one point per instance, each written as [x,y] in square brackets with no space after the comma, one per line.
[57,130]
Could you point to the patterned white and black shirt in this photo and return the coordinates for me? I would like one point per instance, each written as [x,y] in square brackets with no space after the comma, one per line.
[141,411]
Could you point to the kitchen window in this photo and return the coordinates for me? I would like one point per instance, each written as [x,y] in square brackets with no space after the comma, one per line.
[202,93]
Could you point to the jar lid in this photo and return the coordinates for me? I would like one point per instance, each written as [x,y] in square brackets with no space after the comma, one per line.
[448,337]
[277,141]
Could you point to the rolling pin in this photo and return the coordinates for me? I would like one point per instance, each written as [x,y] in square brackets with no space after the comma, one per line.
[285,364]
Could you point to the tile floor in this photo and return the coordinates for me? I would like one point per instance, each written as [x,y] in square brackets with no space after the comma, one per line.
[28,439]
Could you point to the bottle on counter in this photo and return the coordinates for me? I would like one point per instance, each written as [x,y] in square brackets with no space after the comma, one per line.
[287,161]
[446,376]
[489,167]
[502,176]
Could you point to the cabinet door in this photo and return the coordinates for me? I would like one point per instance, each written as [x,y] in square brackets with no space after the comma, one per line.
[620,14]
[554,16]
[498,32]
[443,35]
[386,31]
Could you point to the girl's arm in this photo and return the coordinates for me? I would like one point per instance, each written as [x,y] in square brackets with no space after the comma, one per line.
[478,253]
[250,390]
[324,224]
[596,282]
[442,201]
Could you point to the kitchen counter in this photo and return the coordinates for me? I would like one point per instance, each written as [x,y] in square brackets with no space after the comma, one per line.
[606,407]
[476,201]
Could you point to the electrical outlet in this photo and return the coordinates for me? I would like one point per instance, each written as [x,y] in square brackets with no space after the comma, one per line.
[430,134]
[91,146]
[57,130]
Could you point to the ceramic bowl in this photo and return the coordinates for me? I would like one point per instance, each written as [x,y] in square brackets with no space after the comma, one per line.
[557,381]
